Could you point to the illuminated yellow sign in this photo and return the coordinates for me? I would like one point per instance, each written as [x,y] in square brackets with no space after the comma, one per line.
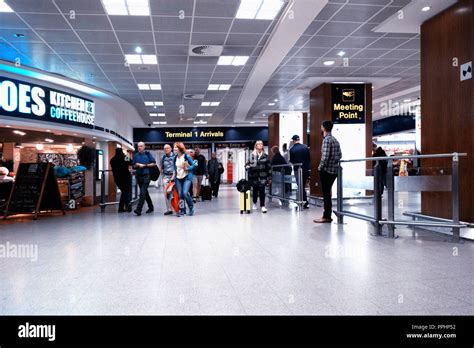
[348,111]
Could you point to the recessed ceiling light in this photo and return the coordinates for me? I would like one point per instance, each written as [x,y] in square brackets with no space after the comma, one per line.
[210,103]
[153,114]
[49,140]
[216,87]
[8,126]
[426,8]
[161,114]
[159,122]
[275,100]
[39,147]
[19,132]
[252,122]
[126,7]
[259,9]
[271,104]
[329,62]
[141,59]
[154,103]
[5,7]
[407,100]
[232,60]
[147,87]
[138,49]
[341,53]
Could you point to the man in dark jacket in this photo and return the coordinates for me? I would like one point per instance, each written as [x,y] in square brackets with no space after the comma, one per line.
[299,154]
[215,170]
[377,151]
[123,179]
[279,160]
[200,171]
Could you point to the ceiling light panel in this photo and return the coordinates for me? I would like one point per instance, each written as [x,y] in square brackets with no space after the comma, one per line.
[126,7]
[259,9]
[4,7]
[141,59]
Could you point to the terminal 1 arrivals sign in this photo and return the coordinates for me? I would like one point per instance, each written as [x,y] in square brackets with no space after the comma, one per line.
[27,100]
[348,103]
[200,134]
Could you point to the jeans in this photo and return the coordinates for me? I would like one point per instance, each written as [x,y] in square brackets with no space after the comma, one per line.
[143,182]
[327,180]
[259,192]
[183,185]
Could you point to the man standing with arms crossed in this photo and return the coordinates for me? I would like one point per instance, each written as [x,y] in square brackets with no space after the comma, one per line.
[142,161]
[330,156]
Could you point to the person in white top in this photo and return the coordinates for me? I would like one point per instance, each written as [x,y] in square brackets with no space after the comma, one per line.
[184,166]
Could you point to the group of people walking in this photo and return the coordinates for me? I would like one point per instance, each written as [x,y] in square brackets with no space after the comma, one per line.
[259,168]
[188,170]
[176,166]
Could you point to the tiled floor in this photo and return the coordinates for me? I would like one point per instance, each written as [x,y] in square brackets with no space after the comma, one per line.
[221,262]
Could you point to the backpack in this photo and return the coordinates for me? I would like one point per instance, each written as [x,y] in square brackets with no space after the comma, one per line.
[154,171]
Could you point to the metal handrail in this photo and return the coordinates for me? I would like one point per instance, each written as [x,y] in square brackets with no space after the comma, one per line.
[453,223]
[103,204]
[368,159]
[299,180]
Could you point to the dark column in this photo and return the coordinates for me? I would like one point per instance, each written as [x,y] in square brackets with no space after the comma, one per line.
[273,130]
[447,103]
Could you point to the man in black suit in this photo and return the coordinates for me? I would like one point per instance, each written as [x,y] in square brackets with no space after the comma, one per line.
[299,153]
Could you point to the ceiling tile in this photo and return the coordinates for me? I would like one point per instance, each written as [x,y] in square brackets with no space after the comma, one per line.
[211,25]
[171,8]
[84,22]
[249,26]
[338,28]
[137,23]
[174,24]
[216,8]
[45,21]
[81,7]
[244,39]
[135,37]
[355,13]
[208,39]
[97,36]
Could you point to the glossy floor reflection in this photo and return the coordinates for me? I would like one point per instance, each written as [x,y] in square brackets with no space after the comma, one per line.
[221,262]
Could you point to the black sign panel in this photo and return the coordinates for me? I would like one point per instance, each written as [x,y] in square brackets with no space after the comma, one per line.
[348,103]
[198,134]
[35,102]
[35,189]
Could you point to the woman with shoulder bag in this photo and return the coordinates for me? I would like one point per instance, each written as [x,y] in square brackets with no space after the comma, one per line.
[183,166]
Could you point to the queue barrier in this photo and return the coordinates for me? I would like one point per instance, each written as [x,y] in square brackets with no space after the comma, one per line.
[424,183]
[103,204]
[287,184]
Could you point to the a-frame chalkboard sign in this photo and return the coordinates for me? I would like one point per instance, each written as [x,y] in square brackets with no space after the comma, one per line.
[35,190]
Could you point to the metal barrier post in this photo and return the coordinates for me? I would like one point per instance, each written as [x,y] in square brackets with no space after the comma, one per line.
[377,199]
[391,198]
[102,191]
[340,193]
[301,187]
[455,196]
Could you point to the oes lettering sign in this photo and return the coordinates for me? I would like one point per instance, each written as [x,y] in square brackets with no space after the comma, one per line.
[26,100]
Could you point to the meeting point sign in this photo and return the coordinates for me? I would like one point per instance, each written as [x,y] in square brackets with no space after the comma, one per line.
[26,100]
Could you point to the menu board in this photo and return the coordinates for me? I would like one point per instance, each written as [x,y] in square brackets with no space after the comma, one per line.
[35,189]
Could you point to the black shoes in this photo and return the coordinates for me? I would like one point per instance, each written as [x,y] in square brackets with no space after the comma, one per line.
[169,212]
[149,211]
[138,213]
[306,205]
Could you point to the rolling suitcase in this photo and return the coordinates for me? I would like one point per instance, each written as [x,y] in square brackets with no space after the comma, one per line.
[245,202]
[206,192]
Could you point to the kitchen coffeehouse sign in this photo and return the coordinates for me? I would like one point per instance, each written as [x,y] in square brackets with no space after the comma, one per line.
[26,100]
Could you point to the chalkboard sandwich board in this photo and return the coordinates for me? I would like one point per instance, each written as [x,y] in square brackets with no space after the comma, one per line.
[35,190]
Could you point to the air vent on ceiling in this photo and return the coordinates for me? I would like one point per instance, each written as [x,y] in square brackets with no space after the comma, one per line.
[193,96]
[205,51]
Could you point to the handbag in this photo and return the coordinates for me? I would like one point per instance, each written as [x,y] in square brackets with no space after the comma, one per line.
[154,171]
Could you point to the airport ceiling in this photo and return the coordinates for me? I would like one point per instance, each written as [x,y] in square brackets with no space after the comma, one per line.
[90,45]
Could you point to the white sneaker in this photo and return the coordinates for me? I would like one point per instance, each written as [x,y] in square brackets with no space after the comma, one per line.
[254,207]
[264,210]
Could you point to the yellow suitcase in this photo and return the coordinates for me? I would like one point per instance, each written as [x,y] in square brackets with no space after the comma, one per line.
[245,202]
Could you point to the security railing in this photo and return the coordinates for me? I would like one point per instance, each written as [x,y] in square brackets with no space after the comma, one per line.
[287,184]
[103,201]
[423,183]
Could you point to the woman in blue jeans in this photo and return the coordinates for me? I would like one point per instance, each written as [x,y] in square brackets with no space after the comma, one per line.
[183,166]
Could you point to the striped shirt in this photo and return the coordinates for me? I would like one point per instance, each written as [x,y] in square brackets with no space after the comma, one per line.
[330,154]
